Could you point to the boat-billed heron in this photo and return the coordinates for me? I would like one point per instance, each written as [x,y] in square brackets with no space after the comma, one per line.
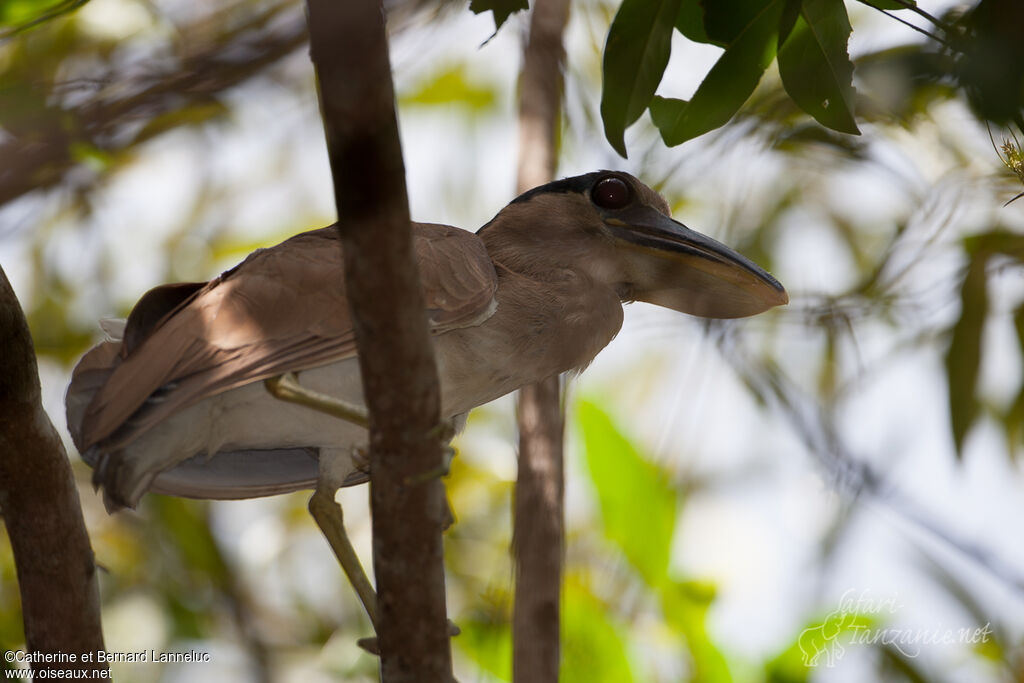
[175,401]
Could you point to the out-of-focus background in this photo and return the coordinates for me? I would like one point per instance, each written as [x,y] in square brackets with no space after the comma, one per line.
[831,491]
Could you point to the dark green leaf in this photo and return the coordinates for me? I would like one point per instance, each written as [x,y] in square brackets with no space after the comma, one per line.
[726,20]
[790,13]
[635,56]
[815,66]
[727,86]
[963,359]
[690,21]
[991,65]
[638,504]
[502,9]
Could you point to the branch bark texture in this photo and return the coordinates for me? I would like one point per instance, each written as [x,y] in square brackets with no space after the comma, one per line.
[539,533]
[350,53]
[55,564]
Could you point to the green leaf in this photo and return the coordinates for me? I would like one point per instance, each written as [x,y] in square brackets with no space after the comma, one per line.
[488,642]
[21,15]
[452,86]
[726,20]
[814,643]
[592,649]
[638,503]
[815,67]
[502,9]
[729,83]
[685,606]
[963,358]
[635,55]
[690,21]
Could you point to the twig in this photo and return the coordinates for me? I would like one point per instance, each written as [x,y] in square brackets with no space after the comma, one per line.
[946,29]
[538,539]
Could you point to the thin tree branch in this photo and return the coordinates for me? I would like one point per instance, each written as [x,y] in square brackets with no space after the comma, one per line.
[55,565]
[539,526]
[946,29]
[121,111]
[913,7]
[851,475]
[349,50]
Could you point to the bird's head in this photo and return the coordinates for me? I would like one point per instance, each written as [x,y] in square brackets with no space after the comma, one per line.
[618,230]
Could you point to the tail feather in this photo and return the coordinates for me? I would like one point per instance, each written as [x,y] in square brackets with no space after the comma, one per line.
[87,378]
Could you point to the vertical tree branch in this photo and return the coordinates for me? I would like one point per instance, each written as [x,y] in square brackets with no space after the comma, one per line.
[539,533]
[56,569]
[350,53]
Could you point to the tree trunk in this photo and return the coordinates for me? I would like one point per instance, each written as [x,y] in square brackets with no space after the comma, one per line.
[350,53]
[56,569]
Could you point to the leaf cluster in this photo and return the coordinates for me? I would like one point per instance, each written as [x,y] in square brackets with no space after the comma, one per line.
[807,37]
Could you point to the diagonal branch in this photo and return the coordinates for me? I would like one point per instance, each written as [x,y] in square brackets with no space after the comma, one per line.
[120,110]
[349,50]
[539,533]
[56,569]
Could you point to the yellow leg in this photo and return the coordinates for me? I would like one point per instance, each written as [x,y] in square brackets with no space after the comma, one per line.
[329,518]
[287,388]
[326,511]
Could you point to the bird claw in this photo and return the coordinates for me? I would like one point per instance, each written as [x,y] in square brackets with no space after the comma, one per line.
[361,462]
[444,431]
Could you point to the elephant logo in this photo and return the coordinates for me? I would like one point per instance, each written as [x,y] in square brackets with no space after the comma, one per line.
[822,641]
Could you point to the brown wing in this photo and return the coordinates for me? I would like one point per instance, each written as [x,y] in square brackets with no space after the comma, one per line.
[282,309]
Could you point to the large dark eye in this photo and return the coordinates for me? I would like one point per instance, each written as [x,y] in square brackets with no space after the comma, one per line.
[610,193]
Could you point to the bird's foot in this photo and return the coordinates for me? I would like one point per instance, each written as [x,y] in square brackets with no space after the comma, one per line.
[447,456]
[360,457]
[444,431]
[286,387]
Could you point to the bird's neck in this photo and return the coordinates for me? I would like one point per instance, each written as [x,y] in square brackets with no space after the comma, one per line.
[532,251]
[550,302]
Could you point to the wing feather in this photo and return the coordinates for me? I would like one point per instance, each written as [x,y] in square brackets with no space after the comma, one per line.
[282,309]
